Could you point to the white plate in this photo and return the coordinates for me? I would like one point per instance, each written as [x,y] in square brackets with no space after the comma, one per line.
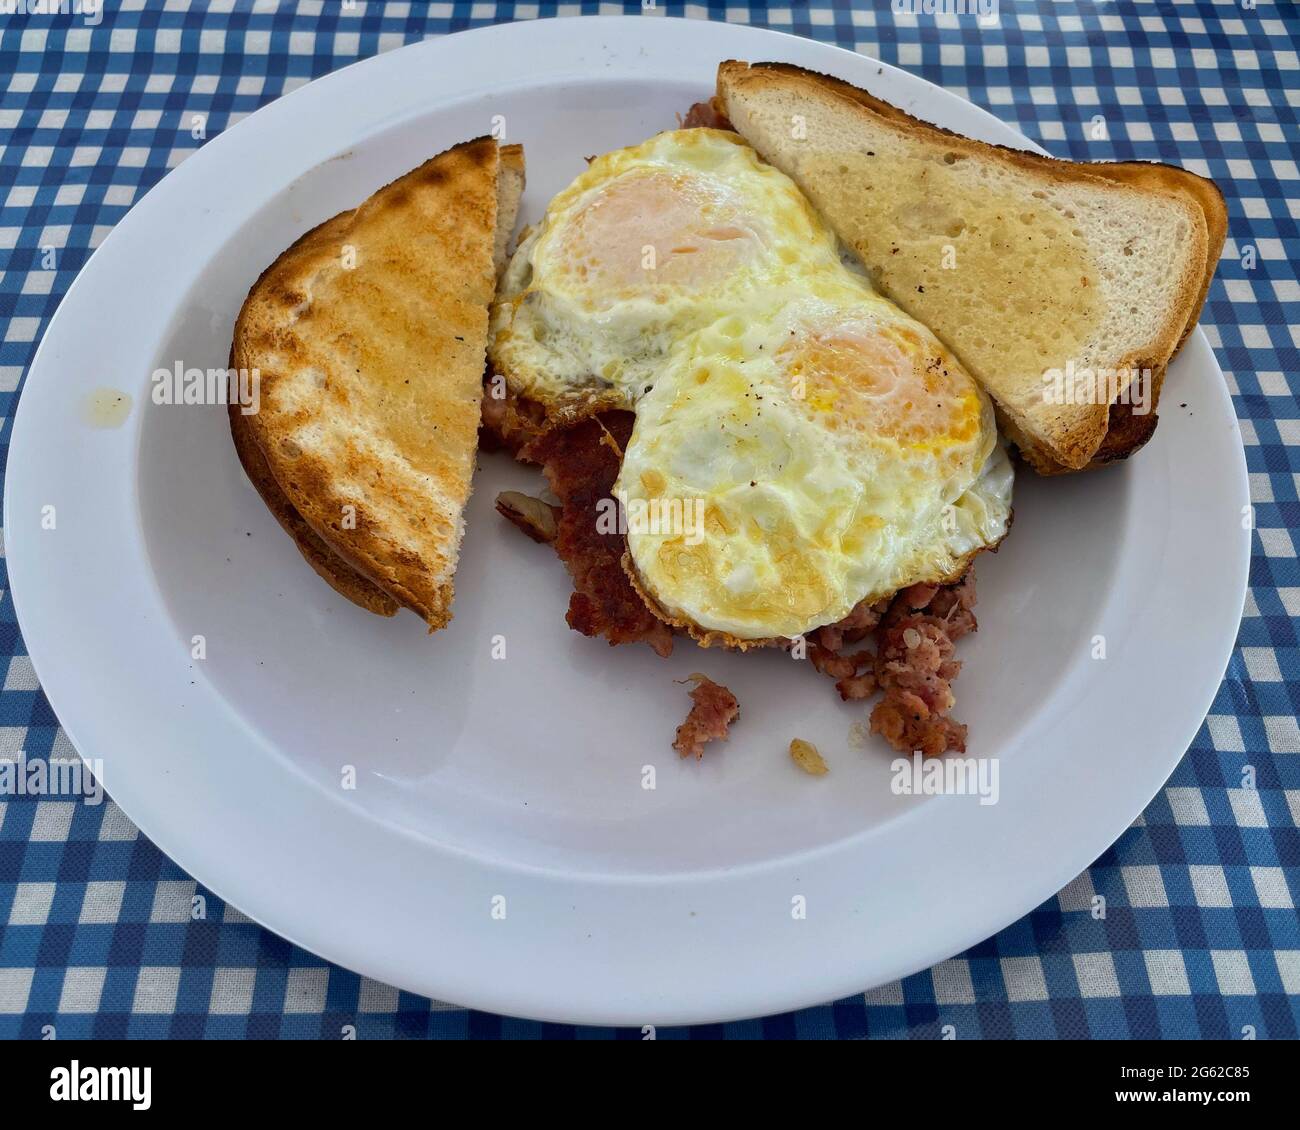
[522,777]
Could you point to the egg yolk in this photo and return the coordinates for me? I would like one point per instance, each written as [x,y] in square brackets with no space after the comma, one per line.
[651,229]
[885,381]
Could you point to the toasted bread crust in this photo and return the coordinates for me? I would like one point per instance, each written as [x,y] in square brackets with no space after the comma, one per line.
[1084,439]
[370,377]
[1127,433]
[333,570]
[510,187]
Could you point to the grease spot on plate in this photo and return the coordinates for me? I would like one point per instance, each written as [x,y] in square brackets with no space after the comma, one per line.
[106,408]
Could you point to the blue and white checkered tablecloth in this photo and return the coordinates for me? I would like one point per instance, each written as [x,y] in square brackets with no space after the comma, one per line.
[1200,937]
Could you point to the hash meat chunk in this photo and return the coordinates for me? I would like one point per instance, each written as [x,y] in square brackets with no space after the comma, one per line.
[713,709]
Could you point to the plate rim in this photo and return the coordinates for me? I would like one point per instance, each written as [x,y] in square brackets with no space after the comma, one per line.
[78,718]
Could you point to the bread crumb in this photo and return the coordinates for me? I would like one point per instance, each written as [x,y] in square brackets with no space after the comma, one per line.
[805,755]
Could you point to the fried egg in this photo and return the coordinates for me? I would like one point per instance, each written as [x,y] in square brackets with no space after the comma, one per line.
[781,472]
[648,245]
[800,443]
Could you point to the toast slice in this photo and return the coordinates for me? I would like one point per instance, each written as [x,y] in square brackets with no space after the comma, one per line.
[510,189]
[1065,288]
[369,337]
